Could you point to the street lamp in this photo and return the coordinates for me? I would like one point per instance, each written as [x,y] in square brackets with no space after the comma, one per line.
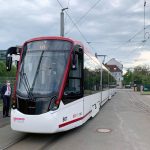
[62,21]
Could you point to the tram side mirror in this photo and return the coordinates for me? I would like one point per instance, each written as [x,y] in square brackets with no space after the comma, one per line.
[74,61]
[8,62]
[9,54]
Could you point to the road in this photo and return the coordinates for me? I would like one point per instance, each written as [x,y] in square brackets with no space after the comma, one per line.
[126,116]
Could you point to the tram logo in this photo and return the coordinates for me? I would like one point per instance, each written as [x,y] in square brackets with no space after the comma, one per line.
[21,120]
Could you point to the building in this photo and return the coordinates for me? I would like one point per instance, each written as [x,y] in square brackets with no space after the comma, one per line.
[116,69]
[2,54]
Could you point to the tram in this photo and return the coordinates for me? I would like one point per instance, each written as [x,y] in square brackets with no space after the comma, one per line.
[58,85]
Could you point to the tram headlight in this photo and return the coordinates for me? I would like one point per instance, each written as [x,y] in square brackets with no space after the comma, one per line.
[14,104]
[54,104]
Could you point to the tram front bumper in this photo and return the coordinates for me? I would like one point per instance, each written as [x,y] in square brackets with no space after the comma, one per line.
[44,123]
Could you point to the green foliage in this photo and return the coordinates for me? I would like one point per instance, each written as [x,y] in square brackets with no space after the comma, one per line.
[140,74]
[128,77]
[4,73]
[7,75]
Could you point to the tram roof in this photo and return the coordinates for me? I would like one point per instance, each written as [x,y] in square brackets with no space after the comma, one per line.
[75,42]
[55,38]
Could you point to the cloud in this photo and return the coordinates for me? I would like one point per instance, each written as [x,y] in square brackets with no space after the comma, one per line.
[108,26]
[144,58]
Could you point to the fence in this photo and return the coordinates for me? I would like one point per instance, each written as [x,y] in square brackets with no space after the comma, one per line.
[146,87]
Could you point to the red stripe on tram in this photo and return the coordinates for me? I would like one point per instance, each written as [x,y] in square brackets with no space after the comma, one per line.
[73,121]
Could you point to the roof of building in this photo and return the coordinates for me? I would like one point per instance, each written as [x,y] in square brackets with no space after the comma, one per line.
[113,68]
[113,60]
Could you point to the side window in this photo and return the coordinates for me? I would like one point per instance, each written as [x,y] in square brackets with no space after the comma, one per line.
[91,76]
[105,79]
[112,81]
[74,85]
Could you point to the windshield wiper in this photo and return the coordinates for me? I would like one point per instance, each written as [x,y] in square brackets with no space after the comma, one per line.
[26,83]
[27,86]
[37,70]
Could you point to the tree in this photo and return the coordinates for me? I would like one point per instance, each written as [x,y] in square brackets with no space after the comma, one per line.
[128,77]
[140,75]
[4,73]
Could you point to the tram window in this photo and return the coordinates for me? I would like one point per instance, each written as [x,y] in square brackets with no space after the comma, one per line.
[91,76]
[77,72]
[105,80]
[74,85]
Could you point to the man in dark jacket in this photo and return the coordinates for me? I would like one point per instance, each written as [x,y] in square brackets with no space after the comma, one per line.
[5,95]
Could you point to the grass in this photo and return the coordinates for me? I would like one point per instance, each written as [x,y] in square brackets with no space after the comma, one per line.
[145,93]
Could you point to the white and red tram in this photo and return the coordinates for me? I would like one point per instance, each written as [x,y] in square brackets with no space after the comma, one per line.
[57,85]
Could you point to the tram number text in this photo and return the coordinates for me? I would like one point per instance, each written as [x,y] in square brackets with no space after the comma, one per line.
[95,106]
[64,119]
[77,115]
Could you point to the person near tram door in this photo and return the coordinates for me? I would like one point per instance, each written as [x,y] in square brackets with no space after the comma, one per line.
[5,95]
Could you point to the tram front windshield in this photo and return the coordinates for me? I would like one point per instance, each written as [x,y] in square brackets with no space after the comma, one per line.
[42,67]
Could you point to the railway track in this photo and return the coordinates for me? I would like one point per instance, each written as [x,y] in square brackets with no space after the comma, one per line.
[38,141]
[13,143]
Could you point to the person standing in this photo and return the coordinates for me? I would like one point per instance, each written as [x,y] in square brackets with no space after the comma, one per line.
[6,94]
[141,88]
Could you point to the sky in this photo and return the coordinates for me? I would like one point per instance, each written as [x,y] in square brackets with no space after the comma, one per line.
[114,28]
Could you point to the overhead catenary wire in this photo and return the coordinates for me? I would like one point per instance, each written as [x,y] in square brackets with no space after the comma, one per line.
[125,42]
[143,29]
[75,25]
[129,40]
[68,3]
[82,17]
[135,35]
[60,4]
[73,22]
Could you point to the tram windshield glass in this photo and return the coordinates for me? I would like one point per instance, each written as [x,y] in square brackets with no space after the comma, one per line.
[42,67]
